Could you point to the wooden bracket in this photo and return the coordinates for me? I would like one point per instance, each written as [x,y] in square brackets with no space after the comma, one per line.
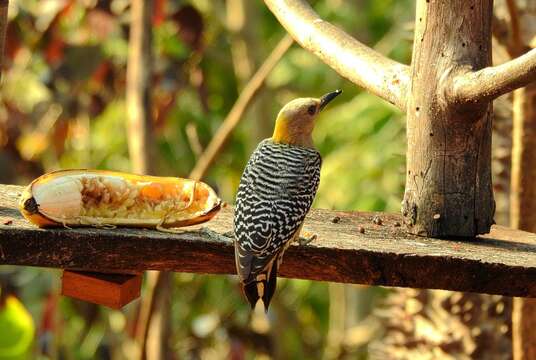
[112,290]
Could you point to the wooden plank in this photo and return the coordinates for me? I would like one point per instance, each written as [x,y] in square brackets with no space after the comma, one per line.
[503,262]
[112,290]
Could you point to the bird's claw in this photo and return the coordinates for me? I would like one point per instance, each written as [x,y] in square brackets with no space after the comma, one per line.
[302,241]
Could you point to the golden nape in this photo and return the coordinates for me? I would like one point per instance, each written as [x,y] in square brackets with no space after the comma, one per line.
[107,198]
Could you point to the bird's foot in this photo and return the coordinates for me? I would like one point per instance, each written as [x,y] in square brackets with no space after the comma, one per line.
[160,228]
[307,239]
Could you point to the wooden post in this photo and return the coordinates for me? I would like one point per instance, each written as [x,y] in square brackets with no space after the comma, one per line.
[446,92]
[448,179]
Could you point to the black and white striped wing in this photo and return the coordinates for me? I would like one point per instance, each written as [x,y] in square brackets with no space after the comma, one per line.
[276,191]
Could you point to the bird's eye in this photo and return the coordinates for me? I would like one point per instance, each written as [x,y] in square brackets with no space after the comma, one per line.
[311,110]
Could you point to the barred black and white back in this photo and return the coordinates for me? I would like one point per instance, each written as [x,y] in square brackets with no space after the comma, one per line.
[276,191]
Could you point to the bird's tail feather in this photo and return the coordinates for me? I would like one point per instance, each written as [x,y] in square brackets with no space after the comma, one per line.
[270,286]
[250,290]
[263,287]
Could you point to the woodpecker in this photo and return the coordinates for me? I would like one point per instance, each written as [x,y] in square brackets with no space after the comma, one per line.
[276,191]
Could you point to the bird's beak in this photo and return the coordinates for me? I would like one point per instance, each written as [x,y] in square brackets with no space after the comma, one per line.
[324,100]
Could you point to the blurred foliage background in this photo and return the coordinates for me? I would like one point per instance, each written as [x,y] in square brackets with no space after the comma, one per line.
[63,106]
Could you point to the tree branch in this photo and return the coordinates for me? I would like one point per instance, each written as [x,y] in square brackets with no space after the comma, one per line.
[347,56]
[491,82]
[138,89]
[500,31]
[237,111]
[514,26]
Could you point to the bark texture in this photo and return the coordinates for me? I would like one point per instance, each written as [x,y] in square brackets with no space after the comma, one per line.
[448,182]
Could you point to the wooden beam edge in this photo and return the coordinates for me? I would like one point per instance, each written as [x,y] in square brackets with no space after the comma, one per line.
[203,254]
[503,262]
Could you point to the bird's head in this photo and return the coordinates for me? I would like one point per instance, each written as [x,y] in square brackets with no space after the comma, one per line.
[295,122]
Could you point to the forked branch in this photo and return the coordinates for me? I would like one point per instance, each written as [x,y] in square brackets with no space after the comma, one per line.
[350,58]
[491,82]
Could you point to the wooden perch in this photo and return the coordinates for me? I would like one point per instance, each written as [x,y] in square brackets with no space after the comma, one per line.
[358,63]
[503,262]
